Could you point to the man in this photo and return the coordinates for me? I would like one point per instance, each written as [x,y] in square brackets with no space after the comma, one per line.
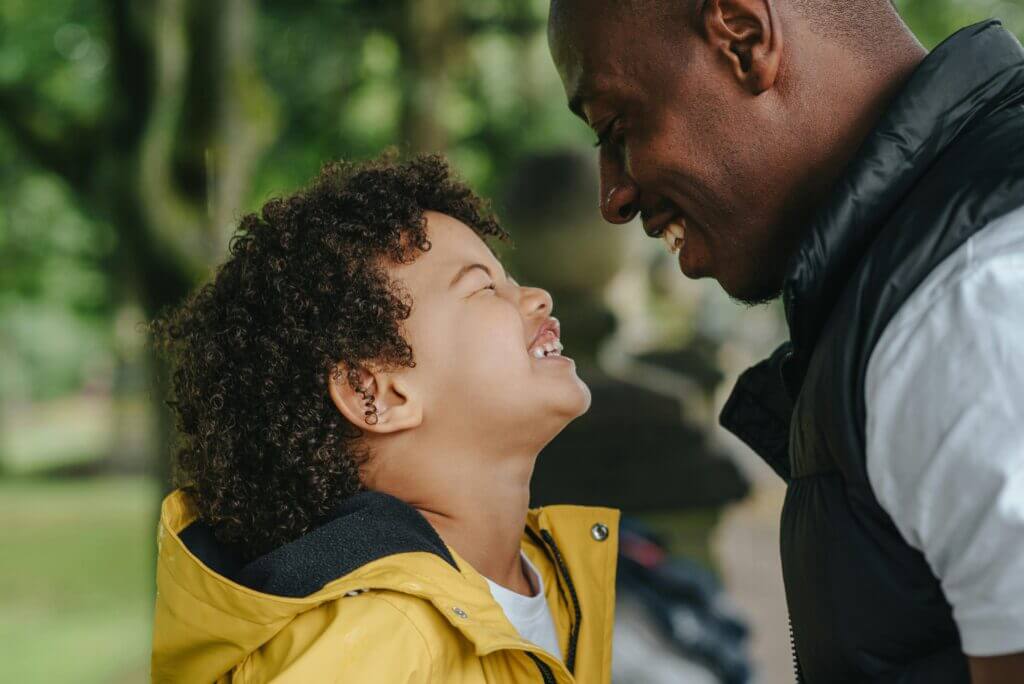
[813,149]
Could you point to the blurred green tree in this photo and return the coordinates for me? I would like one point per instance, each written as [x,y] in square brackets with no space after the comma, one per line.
[134,132]
[152,115]
[148,127]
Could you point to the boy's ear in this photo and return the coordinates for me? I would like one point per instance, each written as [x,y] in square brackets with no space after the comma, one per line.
[381,403]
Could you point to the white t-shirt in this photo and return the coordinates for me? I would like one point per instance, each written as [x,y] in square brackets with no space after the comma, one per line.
[945,431]
[530,615]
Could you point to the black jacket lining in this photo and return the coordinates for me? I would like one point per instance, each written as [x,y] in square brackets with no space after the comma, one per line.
[362,529]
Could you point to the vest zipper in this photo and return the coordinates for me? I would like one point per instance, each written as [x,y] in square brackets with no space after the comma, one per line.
[796,659]
[545,672]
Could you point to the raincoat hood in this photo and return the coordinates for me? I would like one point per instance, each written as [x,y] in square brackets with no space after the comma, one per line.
[214,611]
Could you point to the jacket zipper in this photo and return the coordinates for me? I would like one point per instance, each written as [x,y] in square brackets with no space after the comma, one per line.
[574,630]
[797,671]
[545,672]
[547,541]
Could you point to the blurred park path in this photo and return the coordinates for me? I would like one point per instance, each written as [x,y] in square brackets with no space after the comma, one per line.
[746,546]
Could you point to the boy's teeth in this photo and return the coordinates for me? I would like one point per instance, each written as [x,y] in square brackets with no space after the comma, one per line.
[674,237]
[547,349]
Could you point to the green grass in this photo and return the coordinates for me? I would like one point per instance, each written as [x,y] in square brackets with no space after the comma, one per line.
[76,579]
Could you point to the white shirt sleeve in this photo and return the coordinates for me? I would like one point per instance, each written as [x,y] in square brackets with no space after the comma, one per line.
[945,432]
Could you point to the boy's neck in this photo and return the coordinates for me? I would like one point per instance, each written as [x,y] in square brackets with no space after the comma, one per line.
[486,530]
[477,503]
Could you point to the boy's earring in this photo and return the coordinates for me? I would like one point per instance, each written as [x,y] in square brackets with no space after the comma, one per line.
[370,415]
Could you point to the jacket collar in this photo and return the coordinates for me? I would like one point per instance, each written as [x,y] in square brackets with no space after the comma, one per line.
[974,73]
[443,578]
[363,528]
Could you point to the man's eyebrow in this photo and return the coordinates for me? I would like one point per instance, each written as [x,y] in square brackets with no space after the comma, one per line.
[466,269]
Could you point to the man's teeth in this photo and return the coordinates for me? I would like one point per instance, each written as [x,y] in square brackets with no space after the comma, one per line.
[674,237]
[548,349]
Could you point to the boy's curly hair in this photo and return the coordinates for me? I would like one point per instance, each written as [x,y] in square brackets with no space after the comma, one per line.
[263,452]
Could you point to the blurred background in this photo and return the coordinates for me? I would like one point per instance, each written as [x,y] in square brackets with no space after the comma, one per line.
[132,136]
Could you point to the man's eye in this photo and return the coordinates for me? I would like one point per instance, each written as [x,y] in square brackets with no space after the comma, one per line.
[492,287]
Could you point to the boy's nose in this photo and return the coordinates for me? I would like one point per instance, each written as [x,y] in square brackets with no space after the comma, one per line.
[536,301]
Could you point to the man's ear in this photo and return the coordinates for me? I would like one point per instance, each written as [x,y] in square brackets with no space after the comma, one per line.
[748,34]
[381,402]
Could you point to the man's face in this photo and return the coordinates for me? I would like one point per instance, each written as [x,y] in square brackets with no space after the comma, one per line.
[683,144]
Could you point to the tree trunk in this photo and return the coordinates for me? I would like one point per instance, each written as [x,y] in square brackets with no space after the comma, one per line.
[428,42]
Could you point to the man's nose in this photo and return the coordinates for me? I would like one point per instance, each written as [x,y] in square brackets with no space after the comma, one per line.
[619,198]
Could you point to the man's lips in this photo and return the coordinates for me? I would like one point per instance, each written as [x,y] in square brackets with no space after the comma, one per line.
[670,227]
[655,225]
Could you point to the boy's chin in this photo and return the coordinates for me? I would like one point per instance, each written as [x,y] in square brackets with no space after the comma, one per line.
[585,399]
[573,405]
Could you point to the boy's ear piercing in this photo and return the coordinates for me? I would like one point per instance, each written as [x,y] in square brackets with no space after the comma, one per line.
[370,415]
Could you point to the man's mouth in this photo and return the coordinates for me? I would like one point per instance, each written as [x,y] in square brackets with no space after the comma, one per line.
[670,226]
[674,236]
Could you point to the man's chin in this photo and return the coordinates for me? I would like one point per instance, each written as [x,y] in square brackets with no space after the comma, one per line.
[750,292]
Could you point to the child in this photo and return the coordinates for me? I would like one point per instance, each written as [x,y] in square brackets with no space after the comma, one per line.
[362,393]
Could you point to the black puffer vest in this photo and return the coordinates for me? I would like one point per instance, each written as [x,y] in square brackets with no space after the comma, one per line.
[945,160]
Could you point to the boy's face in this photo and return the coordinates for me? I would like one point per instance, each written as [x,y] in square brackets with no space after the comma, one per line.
[475,333]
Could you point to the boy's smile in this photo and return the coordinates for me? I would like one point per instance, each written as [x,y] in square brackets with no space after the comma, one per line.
[547,343]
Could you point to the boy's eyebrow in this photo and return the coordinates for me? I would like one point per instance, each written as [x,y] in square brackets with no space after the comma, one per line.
[466,269]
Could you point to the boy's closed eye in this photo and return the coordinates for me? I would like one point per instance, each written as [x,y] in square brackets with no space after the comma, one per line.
[480,279]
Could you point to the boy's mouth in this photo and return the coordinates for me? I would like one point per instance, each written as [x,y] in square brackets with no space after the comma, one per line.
[546,342]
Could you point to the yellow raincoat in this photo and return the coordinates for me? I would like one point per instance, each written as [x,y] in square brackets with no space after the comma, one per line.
[406,616]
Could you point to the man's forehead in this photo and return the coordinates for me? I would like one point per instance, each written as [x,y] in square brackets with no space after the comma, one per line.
[590,49]
[587,74]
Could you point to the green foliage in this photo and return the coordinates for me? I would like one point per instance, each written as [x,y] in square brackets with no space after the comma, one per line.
[55,294]
[934,20]
[344,85]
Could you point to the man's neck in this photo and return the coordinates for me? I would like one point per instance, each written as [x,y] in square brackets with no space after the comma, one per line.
[839,106]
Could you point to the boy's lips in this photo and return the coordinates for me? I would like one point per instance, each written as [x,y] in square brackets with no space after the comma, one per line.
[546,341]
